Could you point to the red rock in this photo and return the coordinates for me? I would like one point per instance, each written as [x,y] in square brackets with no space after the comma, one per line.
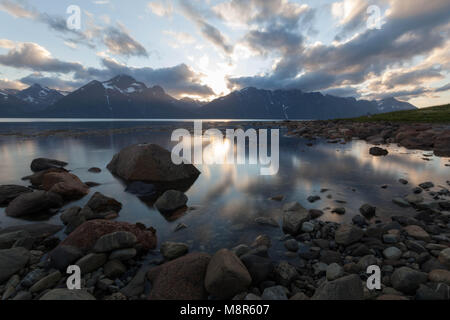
[85,236]
[66,184]
[180,279]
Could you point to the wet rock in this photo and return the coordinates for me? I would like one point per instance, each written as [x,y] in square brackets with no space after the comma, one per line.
[274,293]
[149,163]
[339,210]
[12,261]
[172,250]
[291,245]
[377,151]
[123,254]
[66,184]
[403,181]
[407,280]
[314,213]
[346,288]
[91,262]
[440,276]
[414,198]
[47,282]
[7,240]
[66,294]
[10,192]
[307,252]
[69,214]
[99,203]
[63,256]
[307,227]
[334,271]
[347,234]
[95,170]
[115,240]
[401,202]
[259,267]
[293,220]
[86,235]
[241,250]
[226,275]
[267,221]
[114,269]
[392,253]
[262,240]
[41,164]
[444,257]
[285,273]
[330,256]
[31,203]
[181,279]
[170,201]
[426,185]
[368,211]
[416,232]
[426,293]
[313,199]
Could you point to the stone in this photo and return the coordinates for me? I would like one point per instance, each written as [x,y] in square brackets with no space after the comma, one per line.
[407,280]
[392,253]
[258,267]
[66,184]
[293,220]
[226,275]
[416,232]
[315,213]
[377,151]
[95,170]
[114,269]
[390,238]
[7,240]
[274,293]
[292,206]
[313,199]
[334,271]
[345,288]
[12,261]
[63,256]
[170,201]
[307,227]
[150,163]
[262,240]
[41,164]
[172,250]
[339,210]
[291,245]
[330,256]
[267,221]
[66,294]
[91,262]
[123,254]
[115,240]
[10,192]
[347,234]
[36,230]
[69,214]
[241,249]
[426,185]
[30,203]
[403,181]
[367,211]
[251,296]
[47,282]
[440,276]
[86,235]
[285,273]
[401,202]
[444,257]
[180,279]
[141,189]
[414,198]
[99,203]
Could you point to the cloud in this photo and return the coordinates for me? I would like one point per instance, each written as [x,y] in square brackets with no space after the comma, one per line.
[51,82]
[207,30]
[29,55]
[17,10]
[11,84]
[443,88]
[119,42]
[161,9]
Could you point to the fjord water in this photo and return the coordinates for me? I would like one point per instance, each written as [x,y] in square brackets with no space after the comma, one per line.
[225,199]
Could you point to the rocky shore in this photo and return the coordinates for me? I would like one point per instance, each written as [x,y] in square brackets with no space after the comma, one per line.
[324,260]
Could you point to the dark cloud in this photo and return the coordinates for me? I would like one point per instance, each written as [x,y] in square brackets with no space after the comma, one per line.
[119,42]
[51,82]
[443,88]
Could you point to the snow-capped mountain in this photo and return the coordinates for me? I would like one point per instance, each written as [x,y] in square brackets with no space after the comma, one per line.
[38,96]
[392,104]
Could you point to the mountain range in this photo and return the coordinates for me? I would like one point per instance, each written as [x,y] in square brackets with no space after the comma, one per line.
[125,97]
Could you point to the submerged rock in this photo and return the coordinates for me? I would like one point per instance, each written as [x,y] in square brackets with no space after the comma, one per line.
[31,203]
[149,163]
[41,164]
[170,201]
[377,151]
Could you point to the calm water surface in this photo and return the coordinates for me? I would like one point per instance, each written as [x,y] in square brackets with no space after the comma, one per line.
[226,198]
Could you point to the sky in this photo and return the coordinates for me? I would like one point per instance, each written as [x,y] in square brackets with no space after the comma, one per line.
[367,49]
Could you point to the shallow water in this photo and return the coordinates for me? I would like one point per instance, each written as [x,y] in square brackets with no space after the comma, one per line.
[227,198]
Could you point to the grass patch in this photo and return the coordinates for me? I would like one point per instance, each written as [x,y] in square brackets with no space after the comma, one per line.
[436,114]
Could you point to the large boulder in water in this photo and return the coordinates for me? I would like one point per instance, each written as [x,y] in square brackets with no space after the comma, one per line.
[32,203]
[44,164]
[85,236]
[66,184]
[10,192]
[150,163]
